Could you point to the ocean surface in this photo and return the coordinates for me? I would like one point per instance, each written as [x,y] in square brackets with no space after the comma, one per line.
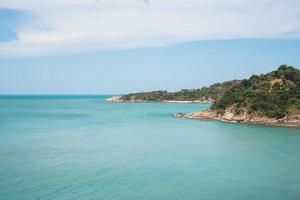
[82,148]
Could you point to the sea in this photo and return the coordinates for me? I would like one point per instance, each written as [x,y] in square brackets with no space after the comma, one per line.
[83,148]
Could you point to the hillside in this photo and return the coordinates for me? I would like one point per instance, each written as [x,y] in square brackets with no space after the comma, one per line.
[205,94]
[274,94]
[268,99]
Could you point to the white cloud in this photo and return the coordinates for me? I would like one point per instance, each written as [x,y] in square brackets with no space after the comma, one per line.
[68,26]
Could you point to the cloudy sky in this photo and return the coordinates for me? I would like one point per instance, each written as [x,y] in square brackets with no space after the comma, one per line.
[77,41]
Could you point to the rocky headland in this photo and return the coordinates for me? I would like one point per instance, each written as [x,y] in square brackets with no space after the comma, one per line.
[230,116]
[269,99]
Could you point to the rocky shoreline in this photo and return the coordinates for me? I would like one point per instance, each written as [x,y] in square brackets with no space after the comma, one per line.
[230,116]
[119,99]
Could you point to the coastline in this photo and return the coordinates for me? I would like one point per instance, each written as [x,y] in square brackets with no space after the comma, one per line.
[119,99]
[230,117]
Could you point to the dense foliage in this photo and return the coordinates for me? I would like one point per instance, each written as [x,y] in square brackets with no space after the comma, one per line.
[213,92]
[274,94]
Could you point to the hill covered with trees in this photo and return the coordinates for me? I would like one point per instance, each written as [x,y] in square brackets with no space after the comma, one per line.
[271,98]
[274,94]
[205,94]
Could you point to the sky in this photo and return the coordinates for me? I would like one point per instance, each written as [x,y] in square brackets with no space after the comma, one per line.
[121,46]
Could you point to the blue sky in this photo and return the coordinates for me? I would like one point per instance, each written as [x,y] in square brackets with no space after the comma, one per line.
[189,65]
[89,47]
[8,21]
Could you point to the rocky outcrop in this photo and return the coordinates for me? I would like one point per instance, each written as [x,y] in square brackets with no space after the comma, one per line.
[230,116]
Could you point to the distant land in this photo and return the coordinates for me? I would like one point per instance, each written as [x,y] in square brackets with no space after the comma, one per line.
[272,99]
[202,95]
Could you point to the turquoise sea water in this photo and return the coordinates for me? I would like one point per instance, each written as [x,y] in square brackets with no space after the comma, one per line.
[80,147]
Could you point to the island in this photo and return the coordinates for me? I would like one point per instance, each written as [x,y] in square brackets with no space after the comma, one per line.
[270,99]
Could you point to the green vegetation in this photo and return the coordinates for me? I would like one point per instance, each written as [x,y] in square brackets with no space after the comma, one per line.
[275,94]
[206,93]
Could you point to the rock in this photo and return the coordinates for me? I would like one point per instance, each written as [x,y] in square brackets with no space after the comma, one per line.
[179,115]
[230,116]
